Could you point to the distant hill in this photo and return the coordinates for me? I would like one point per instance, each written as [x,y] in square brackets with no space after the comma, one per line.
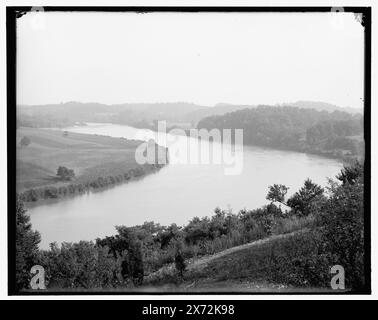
[219,109]
[336,134]
[141,114]
[321,106]
[223,108]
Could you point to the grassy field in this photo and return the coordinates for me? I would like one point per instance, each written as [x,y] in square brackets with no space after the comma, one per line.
[90,156]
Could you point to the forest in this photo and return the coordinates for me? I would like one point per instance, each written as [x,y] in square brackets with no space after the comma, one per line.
[328,225]
[337,134]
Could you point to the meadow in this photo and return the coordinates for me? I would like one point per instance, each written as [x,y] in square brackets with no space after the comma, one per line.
[96,161]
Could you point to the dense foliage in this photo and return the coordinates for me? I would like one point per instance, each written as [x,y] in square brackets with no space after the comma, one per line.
[27,242]
[65,173]
[337,238]
[335,134]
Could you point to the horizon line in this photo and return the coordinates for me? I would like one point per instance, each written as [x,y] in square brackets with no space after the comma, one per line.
[193,103]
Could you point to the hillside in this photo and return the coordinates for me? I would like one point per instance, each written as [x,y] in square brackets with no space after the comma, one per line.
[243,268]
[91,157]
[336,134]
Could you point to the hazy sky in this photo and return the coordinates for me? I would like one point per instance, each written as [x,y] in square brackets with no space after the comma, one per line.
[205,58]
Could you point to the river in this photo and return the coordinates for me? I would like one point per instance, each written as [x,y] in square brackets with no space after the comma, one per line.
[176,193]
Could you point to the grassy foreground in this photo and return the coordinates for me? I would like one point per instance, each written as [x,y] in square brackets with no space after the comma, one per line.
[92,157]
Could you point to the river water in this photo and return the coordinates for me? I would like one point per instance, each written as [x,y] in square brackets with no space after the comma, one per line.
[176,193]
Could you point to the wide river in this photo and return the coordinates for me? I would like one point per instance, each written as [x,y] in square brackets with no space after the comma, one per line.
[176,193]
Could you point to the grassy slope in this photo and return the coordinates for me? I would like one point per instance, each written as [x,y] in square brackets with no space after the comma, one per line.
[243,268]
[90,156]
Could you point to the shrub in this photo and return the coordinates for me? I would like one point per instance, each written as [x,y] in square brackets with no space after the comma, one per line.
[180,263]
[342,225]
[25,141]
[299,261]
[305,200]
[80,265]
[27,242]
[65,173]
[292,223]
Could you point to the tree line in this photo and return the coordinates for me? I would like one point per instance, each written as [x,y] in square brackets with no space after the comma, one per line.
[305,130]
[65,174]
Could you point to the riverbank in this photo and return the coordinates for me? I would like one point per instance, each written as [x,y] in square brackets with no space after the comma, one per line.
[97,162]
[343,155]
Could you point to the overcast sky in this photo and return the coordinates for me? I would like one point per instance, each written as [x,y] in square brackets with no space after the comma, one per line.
[204,58]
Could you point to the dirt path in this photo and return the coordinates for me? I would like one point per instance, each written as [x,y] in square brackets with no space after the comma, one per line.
[195,265]
[201,263]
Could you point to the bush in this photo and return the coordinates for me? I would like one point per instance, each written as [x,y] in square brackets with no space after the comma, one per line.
[299,261]
[342,225]
[126,246]
[80,265]
[292,223]
[27,242]
[307,199]
[180,263]
[65,173]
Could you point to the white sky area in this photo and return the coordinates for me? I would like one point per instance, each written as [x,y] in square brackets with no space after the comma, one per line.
[204,58]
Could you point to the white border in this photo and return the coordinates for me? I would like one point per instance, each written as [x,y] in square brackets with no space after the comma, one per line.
[3,145]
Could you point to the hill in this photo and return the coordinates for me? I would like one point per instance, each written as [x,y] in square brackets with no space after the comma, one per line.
[91,157]
[243,268]
[336,134]
[136,114]
[139,114]
[322,106]
[223,108]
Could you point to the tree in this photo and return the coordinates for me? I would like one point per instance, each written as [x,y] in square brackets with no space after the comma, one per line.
[136,263]
[65,173]
[342,221]
[27,242]
[277,193]
[80,265]
[302,202]
[127,246]
[25,141]
[350,174]
[180,263]
[166,235]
